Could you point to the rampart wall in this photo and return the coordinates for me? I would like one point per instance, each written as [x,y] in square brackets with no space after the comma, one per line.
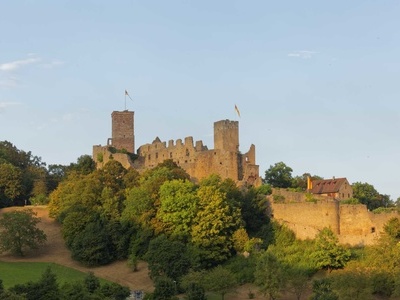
[353,224]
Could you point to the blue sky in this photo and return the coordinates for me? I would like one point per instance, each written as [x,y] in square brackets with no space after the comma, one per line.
[316,82]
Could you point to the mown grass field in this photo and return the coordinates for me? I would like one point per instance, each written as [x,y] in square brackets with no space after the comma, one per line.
[12,273]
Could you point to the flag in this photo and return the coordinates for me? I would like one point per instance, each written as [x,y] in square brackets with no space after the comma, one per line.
[126,94]
[237,110]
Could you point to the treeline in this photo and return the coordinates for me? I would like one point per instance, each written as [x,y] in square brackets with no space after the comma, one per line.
[25,179]
[48,288]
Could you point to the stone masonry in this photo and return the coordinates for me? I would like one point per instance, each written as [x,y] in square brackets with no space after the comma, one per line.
[194,157]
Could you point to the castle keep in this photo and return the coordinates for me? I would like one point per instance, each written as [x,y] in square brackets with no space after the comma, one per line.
[194,157]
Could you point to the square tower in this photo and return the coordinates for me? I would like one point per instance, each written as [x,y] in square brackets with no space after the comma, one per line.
[123,134]
[226,135]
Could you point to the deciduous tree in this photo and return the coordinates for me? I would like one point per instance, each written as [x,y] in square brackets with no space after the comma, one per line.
[214,225]
[219,280]
[329,254]
[279,175]
[270,275]
[19,232]
[178,208]
[167,258]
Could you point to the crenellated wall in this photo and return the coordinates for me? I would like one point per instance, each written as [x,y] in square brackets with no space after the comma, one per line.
[195,158]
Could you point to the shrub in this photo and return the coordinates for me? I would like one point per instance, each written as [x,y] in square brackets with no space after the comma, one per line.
[278,198]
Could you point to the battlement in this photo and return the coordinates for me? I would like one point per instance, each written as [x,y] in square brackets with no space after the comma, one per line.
[194,157]
[226,124]
[157,145]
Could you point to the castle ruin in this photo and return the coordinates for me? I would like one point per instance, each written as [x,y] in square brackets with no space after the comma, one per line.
[195,158]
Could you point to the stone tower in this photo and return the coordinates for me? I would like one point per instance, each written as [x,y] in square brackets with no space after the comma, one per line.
[123,134]
[226,135]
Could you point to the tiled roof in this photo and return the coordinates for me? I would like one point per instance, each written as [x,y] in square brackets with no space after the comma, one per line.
[327,186]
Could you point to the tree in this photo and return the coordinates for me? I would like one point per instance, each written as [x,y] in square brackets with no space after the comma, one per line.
[73,291]
[322,290]
[10,184]
[329,254]
[368,195]
[214,225]
[392,228]
[352,285]
[270,275]
[91,282]
[167,258]
[219,280]
[84,165]
[279,175]
[300,182]
[297,280]
[19,232]
[92,246]
[114,291]
[195,292]
[44,289]
[178,207]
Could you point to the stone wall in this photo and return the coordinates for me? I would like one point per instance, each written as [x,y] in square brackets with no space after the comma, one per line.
[353,224]
[195,158]
[102,155]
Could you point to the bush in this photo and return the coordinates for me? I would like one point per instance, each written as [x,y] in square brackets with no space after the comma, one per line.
[243,268]
[39,200]
[278,198]
[352,201]
[384,210]
[310,198]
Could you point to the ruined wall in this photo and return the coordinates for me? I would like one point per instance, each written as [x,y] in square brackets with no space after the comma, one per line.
[102,155]
[196,160]
[181,153]
[199,162]
[353,224]
[358,226]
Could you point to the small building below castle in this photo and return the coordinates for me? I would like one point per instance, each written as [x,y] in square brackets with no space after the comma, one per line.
[336,188]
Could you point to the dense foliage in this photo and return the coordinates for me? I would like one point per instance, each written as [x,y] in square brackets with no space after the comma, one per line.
[195,236]
[25,179]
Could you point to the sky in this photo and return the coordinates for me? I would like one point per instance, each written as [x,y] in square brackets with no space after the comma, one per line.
[316,82]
